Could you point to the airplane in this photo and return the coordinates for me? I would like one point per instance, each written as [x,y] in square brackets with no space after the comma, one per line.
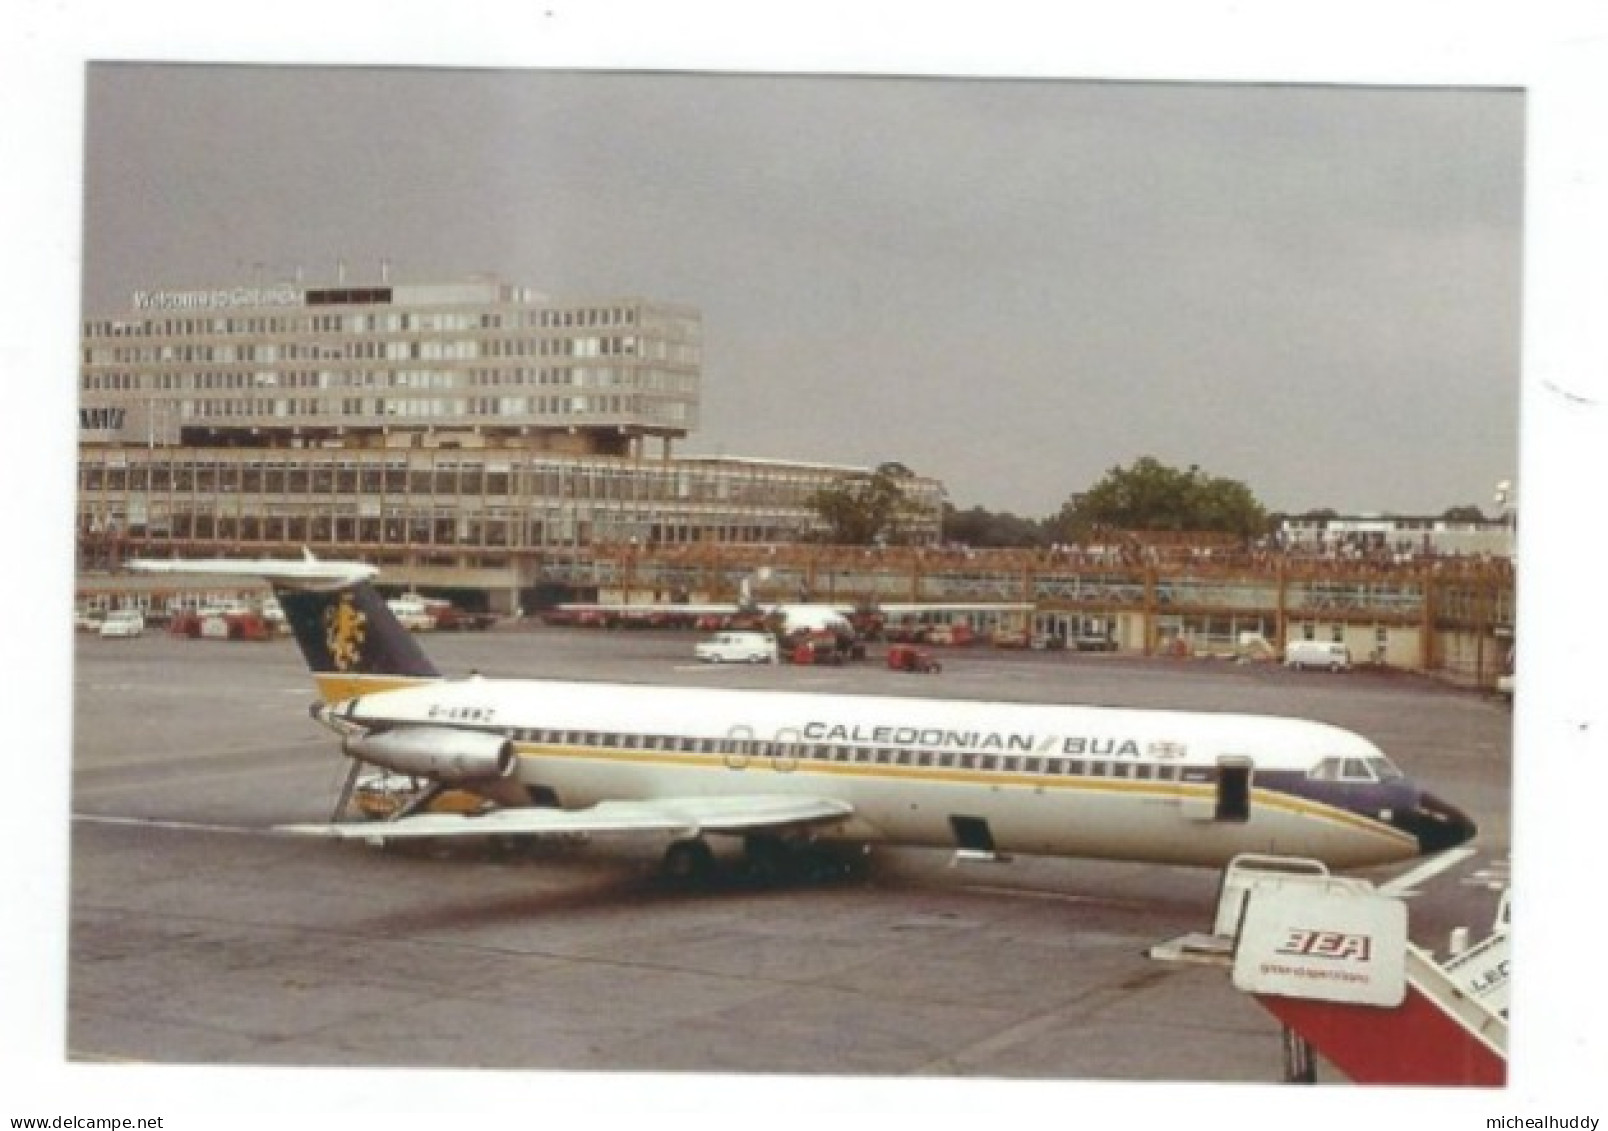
[794,774]
[848,623]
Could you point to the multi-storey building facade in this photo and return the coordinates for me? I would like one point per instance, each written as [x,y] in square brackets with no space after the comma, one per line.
[457,432]
[1397,536]
[479,363]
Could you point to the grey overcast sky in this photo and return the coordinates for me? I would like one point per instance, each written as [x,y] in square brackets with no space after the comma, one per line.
[1011,285]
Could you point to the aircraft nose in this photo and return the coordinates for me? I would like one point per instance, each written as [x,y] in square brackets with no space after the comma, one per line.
[1437,824]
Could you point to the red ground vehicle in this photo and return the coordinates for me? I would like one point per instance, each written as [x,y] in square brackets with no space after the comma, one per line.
[957,634]
[230,625]
[906,658]
[816,651]
[905,632]
[450,618]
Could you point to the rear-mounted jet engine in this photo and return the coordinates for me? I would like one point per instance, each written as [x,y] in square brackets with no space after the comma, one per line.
[445,754]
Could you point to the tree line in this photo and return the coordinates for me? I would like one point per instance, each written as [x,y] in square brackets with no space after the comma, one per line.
[1148,495]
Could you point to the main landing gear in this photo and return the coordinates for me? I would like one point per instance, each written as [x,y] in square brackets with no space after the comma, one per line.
[766,861]
[688,862]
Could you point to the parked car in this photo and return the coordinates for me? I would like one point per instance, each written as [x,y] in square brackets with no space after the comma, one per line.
[907,658]
[273,615]
[450,618]
[737,648]
[123,622]
[235,626]
[955,634]
[412,611]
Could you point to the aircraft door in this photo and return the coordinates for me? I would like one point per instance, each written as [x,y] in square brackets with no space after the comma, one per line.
[972,835]
[739,746]
[1233,790]
[1220,795]
[784,750]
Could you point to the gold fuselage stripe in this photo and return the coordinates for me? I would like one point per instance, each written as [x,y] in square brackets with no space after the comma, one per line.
[334,687]
[1274,799]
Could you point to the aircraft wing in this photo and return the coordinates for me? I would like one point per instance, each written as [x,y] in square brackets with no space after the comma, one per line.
[309,572]
[680,816]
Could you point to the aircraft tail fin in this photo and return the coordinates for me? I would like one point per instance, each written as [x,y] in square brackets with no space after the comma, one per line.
[347,633]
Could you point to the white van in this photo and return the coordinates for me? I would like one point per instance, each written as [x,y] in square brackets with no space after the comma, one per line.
[274,614]
[123,622]
[1302,654]
[737,648]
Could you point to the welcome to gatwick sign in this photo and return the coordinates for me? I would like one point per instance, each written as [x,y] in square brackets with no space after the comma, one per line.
[222,298]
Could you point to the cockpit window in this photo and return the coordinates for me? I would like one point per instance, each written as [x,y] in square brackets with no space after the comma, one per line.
[1384,769]
[1328,769]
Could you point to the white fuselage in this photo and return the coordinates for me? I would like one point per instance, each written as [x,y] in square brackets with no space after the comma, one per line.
[811,618]
[1033,779]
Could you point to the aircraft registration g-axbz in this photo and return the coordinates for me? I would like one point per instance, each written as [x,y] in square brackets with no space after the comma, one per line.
[790,771]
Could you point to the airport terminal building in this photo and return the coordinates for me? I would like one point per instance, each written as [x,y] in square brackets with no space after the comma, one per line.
[462,434]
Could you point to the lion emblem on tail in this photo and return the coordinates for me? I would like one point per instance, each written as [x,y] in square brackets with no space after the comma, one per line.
[345,629]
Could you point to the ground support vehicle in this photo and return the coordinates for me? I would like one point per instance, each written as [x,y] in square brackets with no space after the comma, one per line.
[737,648]
[816,651]
[123,622]
[906,658]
